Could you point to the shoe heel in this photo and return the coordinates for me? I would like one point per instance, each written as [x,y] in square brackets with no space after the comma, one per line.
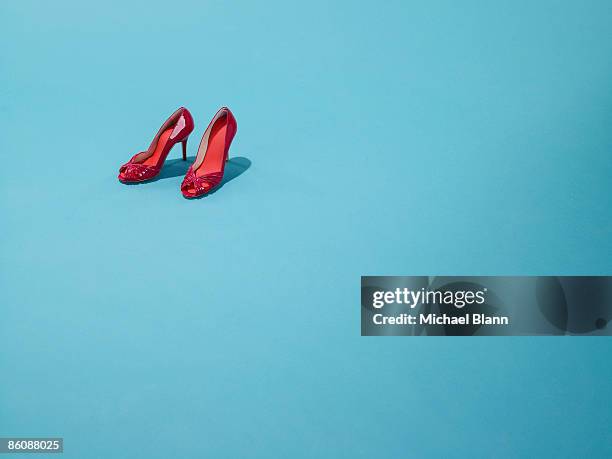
[184,142]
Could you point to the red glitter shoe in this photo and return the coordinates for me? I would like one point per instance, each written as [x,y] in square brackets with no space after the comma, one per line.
[147,164]
[206,172]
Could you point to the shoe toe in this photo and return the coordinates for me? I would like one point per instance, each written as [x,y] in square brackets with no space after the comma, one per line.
[135,172]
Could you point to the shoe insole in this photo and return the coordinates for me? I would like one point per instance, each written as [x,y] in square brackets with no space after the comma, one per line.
[214,157]
[159,148]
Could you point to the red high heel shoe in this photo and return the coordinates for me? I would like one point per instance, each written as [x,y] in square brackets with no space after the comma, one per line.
[147,164]
[206,172]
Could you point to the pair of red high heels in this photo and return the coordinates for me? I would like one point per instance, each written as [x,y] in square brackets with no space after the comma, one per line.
[206,172]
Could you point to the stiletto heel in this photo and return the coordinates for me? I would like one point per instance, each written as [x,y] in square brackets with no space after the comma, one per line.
[184,142]
[206,172]
[146,165]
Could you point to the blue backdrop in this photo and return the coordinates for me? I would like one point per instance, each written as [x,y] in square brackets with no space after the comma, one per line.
[388,138]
